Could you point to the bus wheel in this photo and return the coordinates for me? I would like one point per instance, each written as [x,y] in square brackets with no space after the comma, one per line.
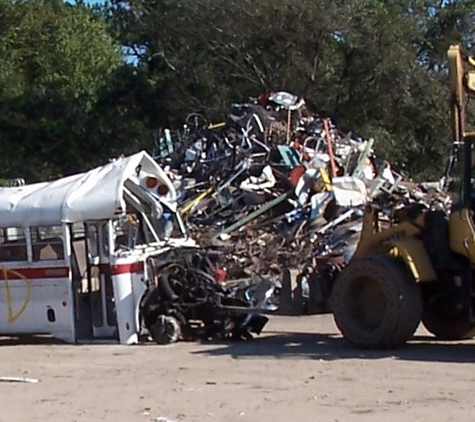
[166,329]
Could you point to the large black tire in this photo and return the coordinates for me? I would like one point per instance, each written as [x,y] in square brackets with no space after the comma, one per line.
[448,327]
[376,303]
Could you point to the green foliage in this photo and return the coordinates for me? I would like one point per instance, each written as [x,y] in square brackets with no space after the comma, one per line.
[68,99]
[51,45]
[56,60]
[376,67]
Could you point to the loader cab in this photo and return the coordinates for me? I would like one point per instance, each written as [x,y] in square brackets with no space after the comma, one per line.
[460,169]
[462,181]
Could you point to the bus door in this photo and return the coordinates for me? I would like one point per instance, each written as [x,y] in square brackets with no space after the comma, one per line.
[95,316]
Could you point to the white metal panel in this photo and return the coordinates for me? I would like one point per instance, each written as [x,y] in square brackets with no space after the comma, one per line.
[94,195]
[125,308]
[23,309]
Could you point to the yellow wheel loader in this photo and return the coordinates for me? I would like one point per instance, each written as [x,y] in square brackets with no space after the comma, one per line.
[422,266]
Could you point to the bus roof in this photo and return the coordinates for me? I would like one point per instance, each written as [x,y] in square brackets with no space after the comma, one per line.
[95,195]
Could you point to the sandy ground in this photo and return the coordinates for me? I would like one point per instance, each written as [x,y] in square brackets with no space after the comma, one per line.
[299,370]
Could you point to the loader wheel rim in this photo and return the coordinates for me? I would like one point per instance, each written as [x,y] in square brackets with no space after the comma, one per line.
[367,303]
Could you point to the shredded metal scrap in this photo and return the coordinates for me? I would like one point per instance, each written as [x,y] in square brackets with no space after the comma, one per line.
[275,187]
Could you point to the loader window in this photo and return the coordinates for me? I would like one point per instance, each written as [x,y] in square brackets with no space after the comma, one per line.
[472,173]
[462,183]
[471,182]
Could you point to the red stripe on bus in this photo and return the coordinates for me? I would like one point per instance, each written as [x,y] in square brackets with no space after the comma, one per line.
[134,267]
[33,273]
[63,272]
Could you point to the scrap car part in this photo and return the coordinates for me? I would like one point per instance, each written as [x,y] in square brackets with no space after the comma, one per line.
[187,302]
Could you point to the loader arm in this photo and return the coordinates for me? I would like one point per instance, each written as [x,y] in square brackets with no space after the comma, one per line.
[400,241]
[460,172]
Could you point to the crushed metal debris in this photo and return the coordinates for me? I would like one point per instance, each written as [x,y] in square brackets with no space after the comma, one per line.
[275,187]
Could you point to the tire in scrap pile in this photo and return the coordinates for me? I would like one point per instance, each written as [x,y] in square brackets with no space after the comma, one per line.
[376,303]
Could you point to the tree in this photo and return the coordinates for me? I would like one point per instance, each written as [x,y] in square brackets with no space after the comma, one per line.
[377,67]
[55,60]
[69,100]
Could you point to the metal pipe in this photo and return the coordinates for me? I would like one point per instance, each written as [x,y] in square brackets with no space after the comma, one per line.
[326,126]
[254,214]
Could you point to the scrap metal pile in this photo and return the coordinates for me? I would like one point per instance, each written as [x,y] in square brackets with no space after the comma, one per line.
[189,299]
[275,186]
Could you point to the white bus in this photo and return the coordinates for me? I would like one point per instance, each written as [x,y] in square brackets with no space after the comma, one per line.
[73,251]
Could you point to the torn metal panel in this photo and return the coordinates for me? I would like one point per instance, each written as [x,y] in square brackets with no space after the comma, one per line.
[349,191]
[96,194]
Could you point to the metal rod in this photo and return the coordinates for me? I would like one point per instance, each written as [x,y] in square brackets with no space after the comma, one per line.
[326,126]
[254,214]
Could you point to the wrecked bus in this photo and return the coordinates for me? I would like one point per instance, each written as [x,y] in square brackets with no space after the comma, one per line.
[73,251]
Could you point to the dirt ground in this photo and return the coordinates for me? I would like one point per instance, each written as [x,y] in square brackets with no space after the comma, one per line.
[299,370]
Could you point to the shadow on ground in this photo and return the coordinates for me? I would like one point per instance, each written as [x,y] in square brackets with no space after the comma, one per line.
[297,345]
[29,340]
[329,347]
[49,340]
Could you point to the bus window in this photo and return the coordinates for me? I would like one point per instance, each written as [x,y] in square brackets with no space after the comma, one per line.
[128,232]
[47,243]
[13,246]
[104,240]
[92,239]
